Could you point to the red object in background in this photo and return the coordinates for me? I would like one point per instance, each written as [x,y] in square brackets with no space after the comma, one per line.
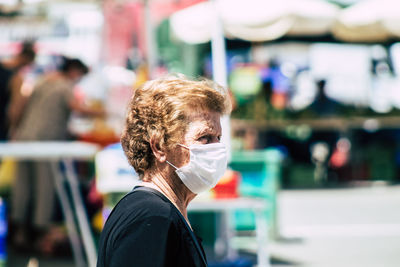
[124,26]
[278,100]
[341,154]
[123,29]
[101,140]
[338,159]
[228,186]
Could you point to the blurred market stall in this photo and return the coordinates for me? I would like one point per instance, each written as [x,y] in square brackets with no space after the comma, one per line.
[315,83]
[254,20]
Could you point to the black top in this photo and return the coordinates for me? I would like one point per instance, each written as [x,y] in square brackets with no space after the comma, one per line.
[146,229]
[5,94]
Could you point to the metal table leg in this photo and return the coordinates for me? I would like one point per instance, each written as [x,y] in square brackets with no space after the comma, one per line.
[73,234]
[83,221]
[262,239]
[231,253]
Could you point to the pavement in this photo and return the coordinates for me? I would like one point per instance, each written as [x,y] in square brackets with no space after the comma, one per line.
[350,227]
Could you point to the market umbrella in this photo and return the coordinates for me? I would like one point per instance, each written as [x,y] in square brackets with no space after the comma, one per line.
[312,17]
[368,21]
[261,20]
[193,25]
[254,20]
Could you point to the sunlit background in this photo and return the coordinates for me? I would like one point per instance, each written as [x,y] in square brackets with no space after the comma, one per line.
[316,92]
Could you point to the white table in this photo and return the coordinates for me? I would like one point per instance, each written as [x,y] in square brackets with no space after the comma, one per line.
[64,152]
[225,207]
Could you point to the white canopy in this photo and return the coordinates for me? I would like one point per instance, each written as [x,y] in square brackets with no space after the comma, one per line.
[369,21]
[254,20]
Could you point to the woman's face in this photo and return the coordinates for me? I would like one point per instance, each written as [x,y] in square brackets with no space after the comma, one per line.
[204,128]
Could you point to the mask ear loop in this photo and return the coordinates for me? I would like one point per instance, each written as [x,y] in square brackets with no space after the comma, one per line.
[171,164]
[184,146]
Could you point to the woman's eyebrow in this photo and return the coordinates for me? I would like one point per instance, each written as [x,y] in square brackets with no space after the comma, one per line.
[204,132]
[207,131]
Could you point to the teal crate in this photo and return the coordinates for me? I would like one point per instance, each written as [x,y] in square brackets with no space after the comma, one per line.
[260,173]
[301,175]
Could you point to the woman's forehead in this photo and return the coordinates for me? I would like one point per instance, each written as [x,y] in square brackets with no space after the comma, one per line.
[204,122]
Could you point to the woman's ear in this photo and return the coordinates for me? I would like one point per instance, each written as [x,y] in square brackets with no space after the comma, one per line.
[158,151]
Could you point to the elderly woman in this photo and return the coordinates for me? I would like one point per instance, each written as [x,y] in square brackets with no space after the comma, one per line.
[172,139]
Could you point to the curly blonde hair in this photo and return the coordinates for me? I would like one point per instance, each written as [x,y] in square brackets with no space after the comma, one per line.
[160,109]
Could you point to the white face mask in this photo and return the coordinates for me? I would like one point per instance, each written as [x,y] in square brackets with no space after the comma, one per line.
[206,166]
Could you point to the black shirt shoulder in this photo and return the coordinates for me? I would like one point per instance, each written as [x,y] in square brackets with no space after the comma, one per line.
[145,229]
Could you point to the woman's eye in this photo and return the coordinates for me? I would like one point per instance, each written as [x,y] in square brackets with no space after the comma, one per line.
[206,139]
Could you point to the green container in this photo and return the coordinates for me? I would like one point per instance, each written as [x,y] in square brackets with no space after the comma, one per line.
[301,175]
[260,173]
[204,224]
[381,161]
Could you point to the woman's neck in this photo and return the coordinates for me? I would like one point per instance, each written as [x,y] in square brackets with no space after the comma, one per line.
[173,189]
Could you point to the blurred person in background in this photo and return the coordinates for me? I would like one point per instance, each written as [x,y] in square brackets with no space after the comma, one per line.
[45,118]
[323,105]
[11,82]
[172,139]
